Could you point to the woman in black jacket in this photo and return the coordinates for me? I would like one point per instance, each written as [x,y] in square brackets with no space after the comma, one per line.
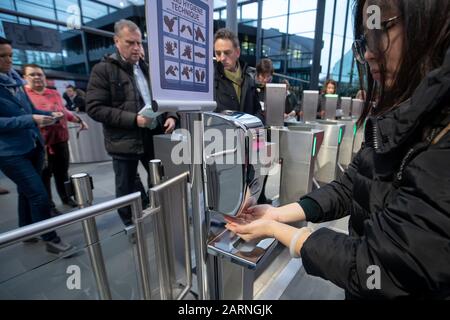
[397,189]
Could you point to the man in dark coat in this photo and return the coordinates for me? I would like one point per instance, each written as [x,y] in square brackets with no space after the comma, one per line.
[118,89]
[75,100]
[234,85]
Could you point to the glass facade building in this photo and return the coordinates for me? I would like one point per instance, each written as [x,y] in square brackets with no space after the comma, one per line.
[286,30]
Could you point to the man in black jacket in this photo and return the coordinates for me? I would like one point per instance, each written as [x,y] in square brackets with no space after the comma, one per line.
[234,86]
[74,99]
[118,89]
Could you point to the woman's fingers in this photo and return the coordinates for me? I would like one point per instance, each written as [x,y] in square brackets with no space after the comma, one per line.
[236,228]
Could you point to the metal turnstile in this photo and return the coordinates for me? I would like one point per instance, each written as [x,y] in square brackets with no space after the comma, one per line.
[310,104]
[234,180]
[326,167]
[298,148]
[357,107]
[346,107]
[331,103]
[347,142]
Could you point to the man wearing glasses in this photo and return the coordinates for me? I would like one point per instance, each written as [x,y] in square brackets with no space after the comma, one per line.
[234,86]
[118,89]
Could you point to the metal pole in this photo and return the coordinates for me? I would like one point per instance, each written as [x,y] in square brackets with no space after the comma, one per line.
[341,66]
[318,39]
[155,172]
[286,43]
[84,41]
[141,244]
[194,123]
[82,187]
[232,16]
[161,243]
[332,39]
[259,39]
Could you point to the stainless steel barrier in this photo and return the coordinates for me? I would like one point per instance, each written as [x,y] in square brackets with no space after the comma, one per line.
[88,145]
[82,186]
[346,107]
[327,166]
[133,200]
[310,104]
[299,147]
[331,102]
[160,209]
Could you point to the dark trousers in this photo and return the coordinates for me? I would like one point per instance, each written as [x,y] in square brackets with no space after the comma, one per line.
[128,181]
[25,172]
[58,167]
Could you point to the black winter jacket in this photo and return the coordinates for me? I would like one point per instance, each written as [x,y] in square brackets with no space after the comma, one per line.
[113,99]
[225,95]
[397,192]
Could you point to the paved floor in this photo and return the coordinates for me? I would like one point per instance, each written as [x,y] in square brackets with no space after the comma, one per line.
[27,271]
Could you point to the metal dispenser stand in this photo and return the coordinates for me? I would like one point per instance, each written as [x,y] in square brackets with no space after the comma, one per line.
[80,186]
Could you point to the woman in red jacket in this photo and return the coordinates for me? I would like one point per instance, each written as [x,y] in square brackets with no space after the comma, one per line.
[56,136]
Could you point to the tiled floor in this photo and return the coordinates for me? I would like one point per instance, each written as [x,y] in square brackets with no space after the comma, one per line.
[27,271]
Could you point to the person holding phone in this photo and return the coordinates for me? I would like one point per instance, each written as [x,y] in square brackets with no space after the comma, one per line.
[22,148]
[56,136]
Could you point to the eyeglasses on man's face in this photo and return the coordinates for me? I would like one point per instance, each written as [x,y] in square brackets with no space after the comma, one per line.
[369,40]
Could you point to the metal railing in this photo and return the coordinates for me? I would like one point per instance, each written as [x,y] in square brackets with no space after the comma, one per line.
[82,189]
[134,200]
[165,262]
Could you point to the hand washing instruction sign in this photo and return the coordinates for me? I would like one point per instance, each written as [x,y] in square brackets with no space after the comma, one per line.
[180,47]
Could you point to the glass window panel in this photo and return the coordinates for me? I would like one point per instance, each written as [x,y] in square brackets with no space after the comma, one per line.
[253,23]
[92,10]
[40,8]
[63,16]
[272,46]
[24,21]
[309,35]
[278,23]
[348,57]
[273,8]
[8,4]
[325,55]
[219,3]
[61,9]
[302,5]
[7,17]
[122,3]
[336,57]
[250,11]
[328,23]
[339,25]
[43,24]
[302,22]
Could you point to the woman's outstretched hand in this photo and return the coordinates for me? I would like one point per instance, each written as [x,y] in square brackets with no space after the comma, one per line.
[265,212]
[251,230]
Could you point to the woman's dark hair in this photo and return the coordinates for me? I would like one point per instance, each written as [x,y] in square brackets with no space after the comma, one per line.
[329,81]
[265,66]
[426,37]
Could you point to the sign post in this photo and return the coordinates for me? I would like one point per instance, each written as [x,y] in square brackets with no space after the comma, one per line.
[180,40]
[180,44]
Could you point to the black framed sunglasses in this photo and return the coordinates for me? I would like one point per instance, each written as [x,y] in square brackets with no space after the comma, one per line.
[369,40]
